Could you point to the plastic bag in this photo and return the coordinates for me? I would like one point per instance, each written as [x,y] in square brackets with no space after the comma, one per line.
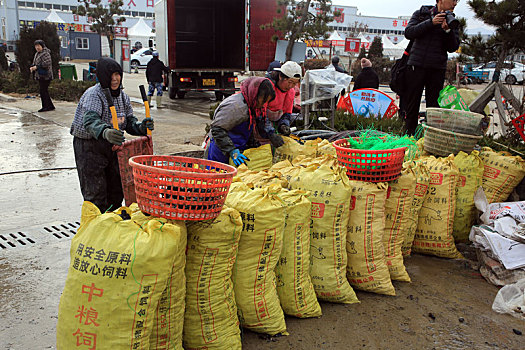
[210,320]
[511,300]
[367,269]
[397,213]
[294,284]
[324,84]
[436,219]
[118,272]
[263,217]
[502,174]
[450,98]
[470,174]
[420,194]
[330,193]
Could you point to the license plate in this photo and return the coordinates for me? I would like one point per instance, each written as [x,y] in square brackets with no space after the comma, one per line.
[208,82]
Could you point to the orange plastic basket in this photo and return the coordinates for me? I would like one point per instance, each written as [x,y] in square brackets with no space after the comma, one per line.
[181,188]
[370,166]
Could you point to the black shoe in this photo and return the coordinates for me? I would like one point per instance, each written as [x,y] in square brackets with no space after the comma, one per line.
[42,110]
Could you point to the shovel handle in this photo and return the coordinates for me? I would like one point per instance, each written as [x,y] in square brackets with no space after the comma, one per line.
[112,109]
[146,103]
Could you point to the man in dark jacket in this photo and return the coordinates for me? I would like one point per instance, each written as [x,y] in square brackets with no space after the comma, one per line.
[338,68]
[368,78]
[154,72]
[427,62]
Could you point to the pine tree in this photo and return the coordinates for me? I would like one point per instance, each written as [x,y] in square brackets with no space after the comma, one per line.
[105,17]
[302,20]
[362,54]
[376,49]
[508,17]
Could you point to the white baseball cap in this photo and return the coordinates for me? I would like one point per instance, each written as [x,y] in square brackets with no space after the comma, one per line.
[291,69]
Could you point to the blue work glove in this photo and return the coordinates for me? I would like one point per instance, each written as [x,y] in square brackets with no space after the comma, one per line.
[147,123]
[237,157]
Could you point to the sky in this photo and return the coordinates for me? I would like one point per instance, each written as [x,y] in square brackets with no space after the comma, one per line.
[390,8]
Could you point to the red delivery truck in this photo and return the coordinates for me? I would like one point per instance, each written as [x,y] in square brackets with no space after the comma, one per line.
[205,42]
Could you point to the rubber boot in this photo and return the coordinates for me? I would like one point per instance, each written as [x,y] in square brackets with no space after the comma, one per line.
[158,99]
[149,102]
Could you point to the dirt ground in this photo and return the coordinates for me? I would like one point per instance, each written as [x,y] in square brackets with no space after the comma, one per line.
[447,305]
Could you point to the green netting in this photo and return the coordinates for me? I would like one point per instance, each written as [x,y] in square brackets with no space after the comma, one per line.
[374,140]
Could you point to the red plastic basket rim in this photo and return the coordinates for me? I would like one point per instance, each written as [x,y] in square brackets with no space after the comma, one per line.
[232,171]
[354,150]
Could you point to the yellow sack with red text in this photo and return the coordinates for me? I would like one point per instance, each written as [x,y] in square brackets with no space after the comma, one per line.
[420,194]
[471,169]
[210,320]
[330,193]
[367,269]
[263,218]
[118,272]
[436,219]
[502,174]
[397,212]
[294,284]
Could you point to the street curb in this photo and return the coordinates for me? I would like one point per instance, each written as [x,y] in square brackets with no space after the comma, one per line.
[6,98]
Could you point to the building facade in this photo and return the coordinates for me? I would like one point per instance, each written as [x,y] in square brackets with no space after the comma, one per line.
[15,13]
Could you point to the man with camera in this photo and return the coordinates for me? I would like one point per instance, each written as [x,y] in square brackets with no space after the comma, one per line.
[434,32]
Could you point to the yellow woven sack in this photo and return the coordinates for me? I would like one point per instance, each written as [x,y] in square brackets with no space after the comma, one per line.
[420,194]
[330,193]
[502,174]
[436,219]
[118,271]
[294,284]
[292,149]
[260,158]
[211,321]
[470,175]
[326,147]
[397,213]
[260,246]
[367,269]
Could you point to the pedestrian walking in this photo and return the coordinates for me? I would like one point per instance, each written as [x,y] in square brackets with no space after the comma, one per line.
[154,71]
[94,137]
[368,78]
[427,62]
[43,70]
[337,67]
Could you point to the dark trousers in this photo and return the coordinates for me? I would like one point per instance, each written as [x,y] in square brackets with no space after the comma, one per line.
[44,94]
[417,79]
[98,172]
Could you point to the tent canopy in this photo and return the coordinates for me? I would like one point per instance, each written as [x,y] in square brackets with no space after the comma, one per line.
[387,43]
[141,28]
[403,43]
[53,17]
[335,36]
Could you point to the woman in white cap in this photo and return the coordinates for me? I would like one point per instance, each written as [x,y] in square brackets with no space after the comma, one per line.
[284,80]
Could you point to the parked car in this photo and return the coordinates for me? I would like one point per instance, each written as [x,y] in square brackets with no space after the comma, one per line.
[141,57]
[511,73]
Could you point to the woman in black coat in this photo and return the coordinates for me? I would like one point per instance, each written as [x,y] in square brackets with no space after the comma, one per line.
[368,78]
[43,70]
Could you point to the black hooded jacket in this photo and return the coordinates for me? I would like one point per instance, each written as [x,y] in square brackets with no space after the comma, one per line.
[155,69]
[431,42]
[105,68]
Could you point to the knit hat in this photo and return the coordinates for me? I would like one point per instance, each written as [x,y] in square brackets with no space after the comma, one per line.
[365,63]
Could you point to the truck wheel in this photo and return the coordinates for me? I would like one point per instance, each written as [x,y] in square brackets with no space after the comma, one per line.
[510,79]
[226,95]
[135,64]
[181,94]
[172,92]
[218,95]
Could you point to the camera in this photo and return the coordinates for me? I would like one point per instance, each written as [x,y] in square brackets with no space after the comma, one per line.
[452,21]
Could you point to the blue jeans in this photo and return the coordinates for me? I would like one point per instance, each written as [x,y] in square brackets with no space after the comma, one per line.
[153,86]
